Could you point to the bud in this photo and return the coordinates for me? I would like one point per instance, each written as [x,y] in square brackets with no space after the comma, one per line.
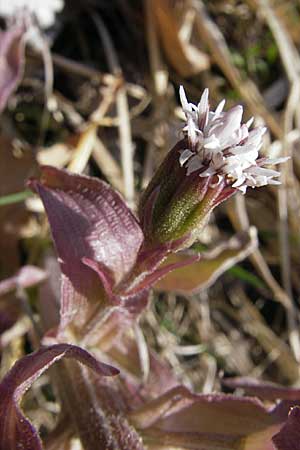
[217,157]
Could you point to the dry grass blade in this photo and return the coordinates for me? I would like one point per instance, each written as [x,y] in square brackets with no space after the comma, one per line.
[21,327]
[88,138]
[126,144]
[212,36]
[83,150]
[73,67]
[143,351]
[160,80]
[291,62]
[159,72]
[240,220]
[108,165]
[288,13]
[254,324]
[49,81]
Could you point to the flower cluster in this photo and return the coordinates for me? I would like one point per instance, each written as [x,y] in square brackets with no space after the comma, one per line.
[43,10]
[219,144]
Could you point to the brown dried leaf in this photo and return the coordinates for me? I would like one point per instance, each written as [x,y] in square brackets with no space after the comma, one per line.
[186,59]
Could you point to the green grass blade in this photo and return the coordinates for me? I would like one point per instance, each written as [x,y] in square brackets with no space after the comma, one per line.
[15,198]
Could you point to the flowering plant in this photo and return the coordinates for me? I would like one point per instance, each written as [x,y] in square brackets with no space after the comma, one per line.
[109,260]
[220,145]
[217,157]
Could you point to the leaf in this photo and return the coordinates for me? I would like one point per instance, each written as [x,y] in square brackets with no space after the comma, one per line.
[11,61]
[164,440]
[88,221]
[203,273]
[149,269]
[104,228]
[245,275]
[182,419]
[26,277]
[262,389]
[15,430]
[288,437]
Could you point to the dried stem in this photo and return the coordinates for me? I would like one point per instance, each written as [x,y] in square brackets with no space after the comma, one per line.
[123,112]
[291,62]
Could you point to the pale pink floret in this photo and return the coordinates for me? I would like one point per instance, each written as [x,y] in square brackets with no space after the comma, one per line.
[219,144]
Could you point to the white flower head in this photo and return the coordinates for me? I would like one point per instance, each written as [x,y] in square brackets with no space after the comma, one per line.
[43,10]
[219,144]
